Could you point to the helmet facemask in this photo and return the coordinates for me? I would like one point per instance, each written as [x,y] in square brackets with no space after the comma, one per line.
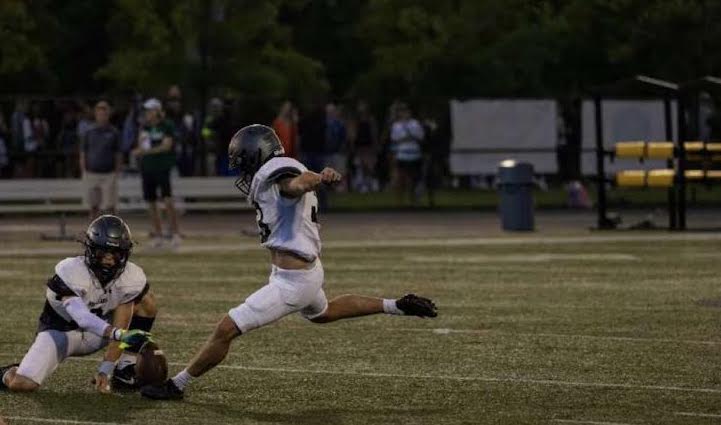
[247,167]
[94,255]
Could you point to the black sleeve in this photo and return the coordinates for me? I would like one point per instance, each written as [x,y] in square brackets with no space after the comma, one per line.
[140,295]
[60,288]
[283,172]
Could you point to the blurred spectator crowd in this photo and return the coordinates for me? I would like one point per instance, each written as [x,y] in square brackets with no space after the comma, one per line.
[395,148]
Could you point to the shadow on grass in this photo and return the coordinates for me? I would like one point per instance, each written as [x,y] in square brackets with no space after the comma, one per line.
[84,406]
[328,416]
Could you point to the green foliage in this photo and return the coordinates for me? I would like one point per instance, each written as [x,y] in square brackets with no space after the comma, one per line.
[19,50]
[246,50]
[378,49]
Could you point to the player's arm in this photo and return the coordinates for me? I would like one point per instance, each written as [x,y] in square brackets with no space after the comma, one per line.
[165,146]
[86,320]
[121,320]
[308,181]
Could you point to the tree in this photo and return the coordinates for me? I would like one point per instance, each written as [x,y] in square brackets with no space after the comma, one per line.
[21,54]
[236,48]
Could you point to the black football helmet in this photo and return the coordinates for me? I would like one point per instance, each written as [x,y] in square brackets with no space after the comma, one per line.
[107,234]
[250,148]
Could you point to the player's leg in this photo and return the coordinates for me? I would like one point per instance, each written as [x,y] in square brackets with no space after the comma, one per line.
[143,319]
[15,382]
[215,349]
[264,306]
[261,308]
[47,352]
[319,310]
[350,305]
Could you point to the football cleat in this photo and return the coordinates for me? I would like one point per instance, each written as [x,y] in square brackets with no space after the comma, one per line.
[413,305]
[125,379]
[167,391]
[3,371]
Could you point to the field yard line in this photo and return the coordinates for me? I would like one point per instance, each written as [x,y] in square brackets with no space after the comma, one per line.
[471,378]
[452,378]
[409,243]
[571,421]
[56,421]
[445,331]
[698,415]
[521,258]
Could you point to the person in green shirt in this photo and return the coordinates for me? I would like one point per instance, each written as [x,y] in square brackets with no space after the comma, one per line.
[156,157]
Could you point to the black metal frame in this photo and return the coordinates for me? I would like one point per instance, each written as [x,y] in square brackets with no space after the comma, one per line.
[639,85]
[693,87]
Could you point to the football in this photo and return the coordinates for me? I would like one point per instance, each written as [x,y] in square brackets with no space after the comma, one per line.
[152,366]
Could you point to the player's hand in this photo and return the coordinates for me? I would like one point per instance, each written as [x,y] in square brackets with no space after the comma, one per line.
[102,383]
[137,152]
[330,176]
[133,338]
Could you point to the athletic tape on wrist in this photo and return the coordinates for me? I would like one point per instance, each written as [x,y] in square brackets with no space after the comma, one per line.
[106,367]
[117,334]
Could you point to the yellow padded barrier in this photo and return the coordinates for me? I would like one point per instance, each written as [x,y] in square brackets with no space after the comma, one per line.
[713,147]
[660,178]
[713,174]
[694,174]
[694,146]
[633,149]
[631,178]
[659,150]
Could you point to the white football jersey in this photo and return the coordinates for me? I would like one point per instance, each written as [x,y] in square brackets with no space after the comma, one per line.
[286,224]
[74,278]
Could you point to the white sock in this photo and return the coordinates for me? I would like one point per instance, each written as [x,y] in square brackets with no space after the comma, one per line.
[125,360]
[390,307]
[182,379]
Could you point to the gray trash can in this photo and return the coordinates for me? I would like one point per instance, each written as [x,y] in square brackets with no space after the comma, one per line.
[515,187]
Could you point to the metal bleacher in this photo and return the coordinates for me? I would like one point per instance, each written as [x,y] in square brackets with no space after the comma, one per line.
[65,195]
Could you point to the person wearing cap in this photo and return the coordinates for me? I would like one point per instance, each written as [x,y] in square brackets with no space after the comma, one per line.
[100,162]
[156,158]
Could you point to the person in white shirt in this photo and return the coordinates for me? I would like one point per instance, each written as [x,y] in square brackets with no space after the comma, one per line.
[406,147]
[282,190]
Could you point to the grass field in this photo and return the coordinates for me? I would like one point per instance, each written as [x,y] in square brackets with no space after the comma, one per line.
[487,199]
[548,331]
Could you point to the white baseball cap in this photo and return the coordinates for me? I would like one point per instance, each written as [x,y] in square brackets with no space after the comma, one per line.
[152,103]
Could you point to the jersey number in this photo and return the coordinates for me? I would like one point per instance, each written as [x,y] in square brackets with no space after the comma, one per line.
[263,228]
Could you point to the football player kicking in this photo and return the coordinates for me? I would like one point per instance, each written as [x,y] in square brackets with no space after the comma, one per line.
[282,191]
[85,293]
